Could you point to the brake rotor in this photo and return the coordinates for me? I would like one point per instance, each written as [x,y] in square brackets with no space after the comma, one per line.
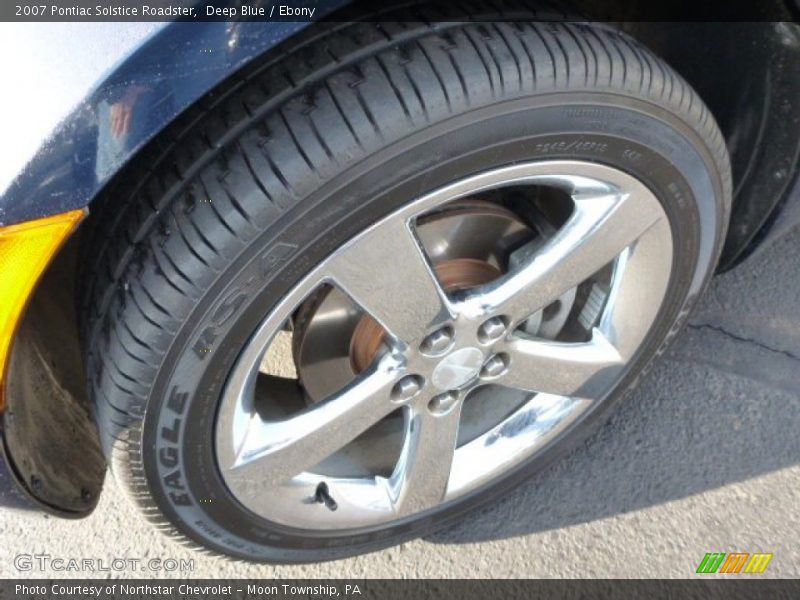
[468,243]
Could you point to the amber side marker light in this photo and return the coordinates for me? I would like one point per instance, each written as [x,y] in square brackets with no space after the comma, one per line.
[25,251]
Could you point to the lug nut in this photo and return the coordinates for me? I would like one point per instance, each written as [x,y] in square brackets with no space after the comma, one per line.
[443,402]
[408,387]
[496,365]
[437,342]
[492,329]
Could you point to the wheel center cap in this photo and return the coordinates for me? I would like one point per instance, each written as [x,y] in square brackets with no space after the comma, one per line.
[457,368]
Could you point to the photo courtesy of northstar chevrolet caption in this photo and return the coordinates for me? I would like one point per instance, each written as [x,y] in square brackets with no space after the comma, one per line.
[185,589]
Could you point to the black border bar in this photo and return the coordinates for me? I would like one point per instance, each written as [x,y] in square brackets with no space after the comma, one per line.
[395,10]
[748,586]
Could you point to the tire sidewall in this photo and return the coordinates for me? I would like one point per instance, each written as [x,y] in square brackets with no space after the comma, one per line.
[177,436]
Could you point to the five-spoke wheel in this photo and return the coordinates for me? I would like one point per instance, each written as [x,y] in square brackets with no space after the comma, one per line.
[439,346]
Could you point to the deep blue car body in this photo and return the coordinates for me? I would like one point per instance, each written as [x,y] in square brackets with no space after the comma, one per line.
[172,68]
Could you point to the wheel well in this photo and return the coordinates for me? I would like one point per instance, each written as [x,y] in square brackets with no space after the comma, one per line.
[741,58]
[743,72]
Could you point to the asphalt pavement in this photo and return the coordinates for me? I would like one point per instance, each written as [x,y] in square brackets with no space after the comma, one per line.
[705,457]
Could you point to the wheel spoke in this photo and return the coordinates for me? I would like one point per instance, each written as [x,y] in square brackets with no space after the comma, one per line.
[274,451]
[581,370]
[600,228]
[420,478]
[387,273]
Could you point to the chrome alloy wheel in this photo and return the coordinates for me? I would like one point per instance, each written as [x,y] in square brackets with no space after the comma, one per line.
[441,347]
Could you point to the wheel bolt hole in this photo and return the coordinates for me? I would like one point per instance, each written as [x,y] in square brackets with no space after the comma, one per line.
[442,403]
[438,342]
[408,387]
[492,329]
[495,366]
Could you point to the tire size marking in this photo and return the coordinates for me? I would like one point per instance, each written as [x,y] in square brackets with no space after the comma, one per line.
[574,146]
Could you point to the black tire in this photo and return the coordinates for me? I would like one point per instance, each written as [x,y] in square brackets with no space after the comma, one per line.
[224,214]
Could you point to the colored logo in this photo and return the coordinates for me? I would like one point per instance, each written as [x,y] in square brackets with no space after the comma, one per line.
[734,562]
